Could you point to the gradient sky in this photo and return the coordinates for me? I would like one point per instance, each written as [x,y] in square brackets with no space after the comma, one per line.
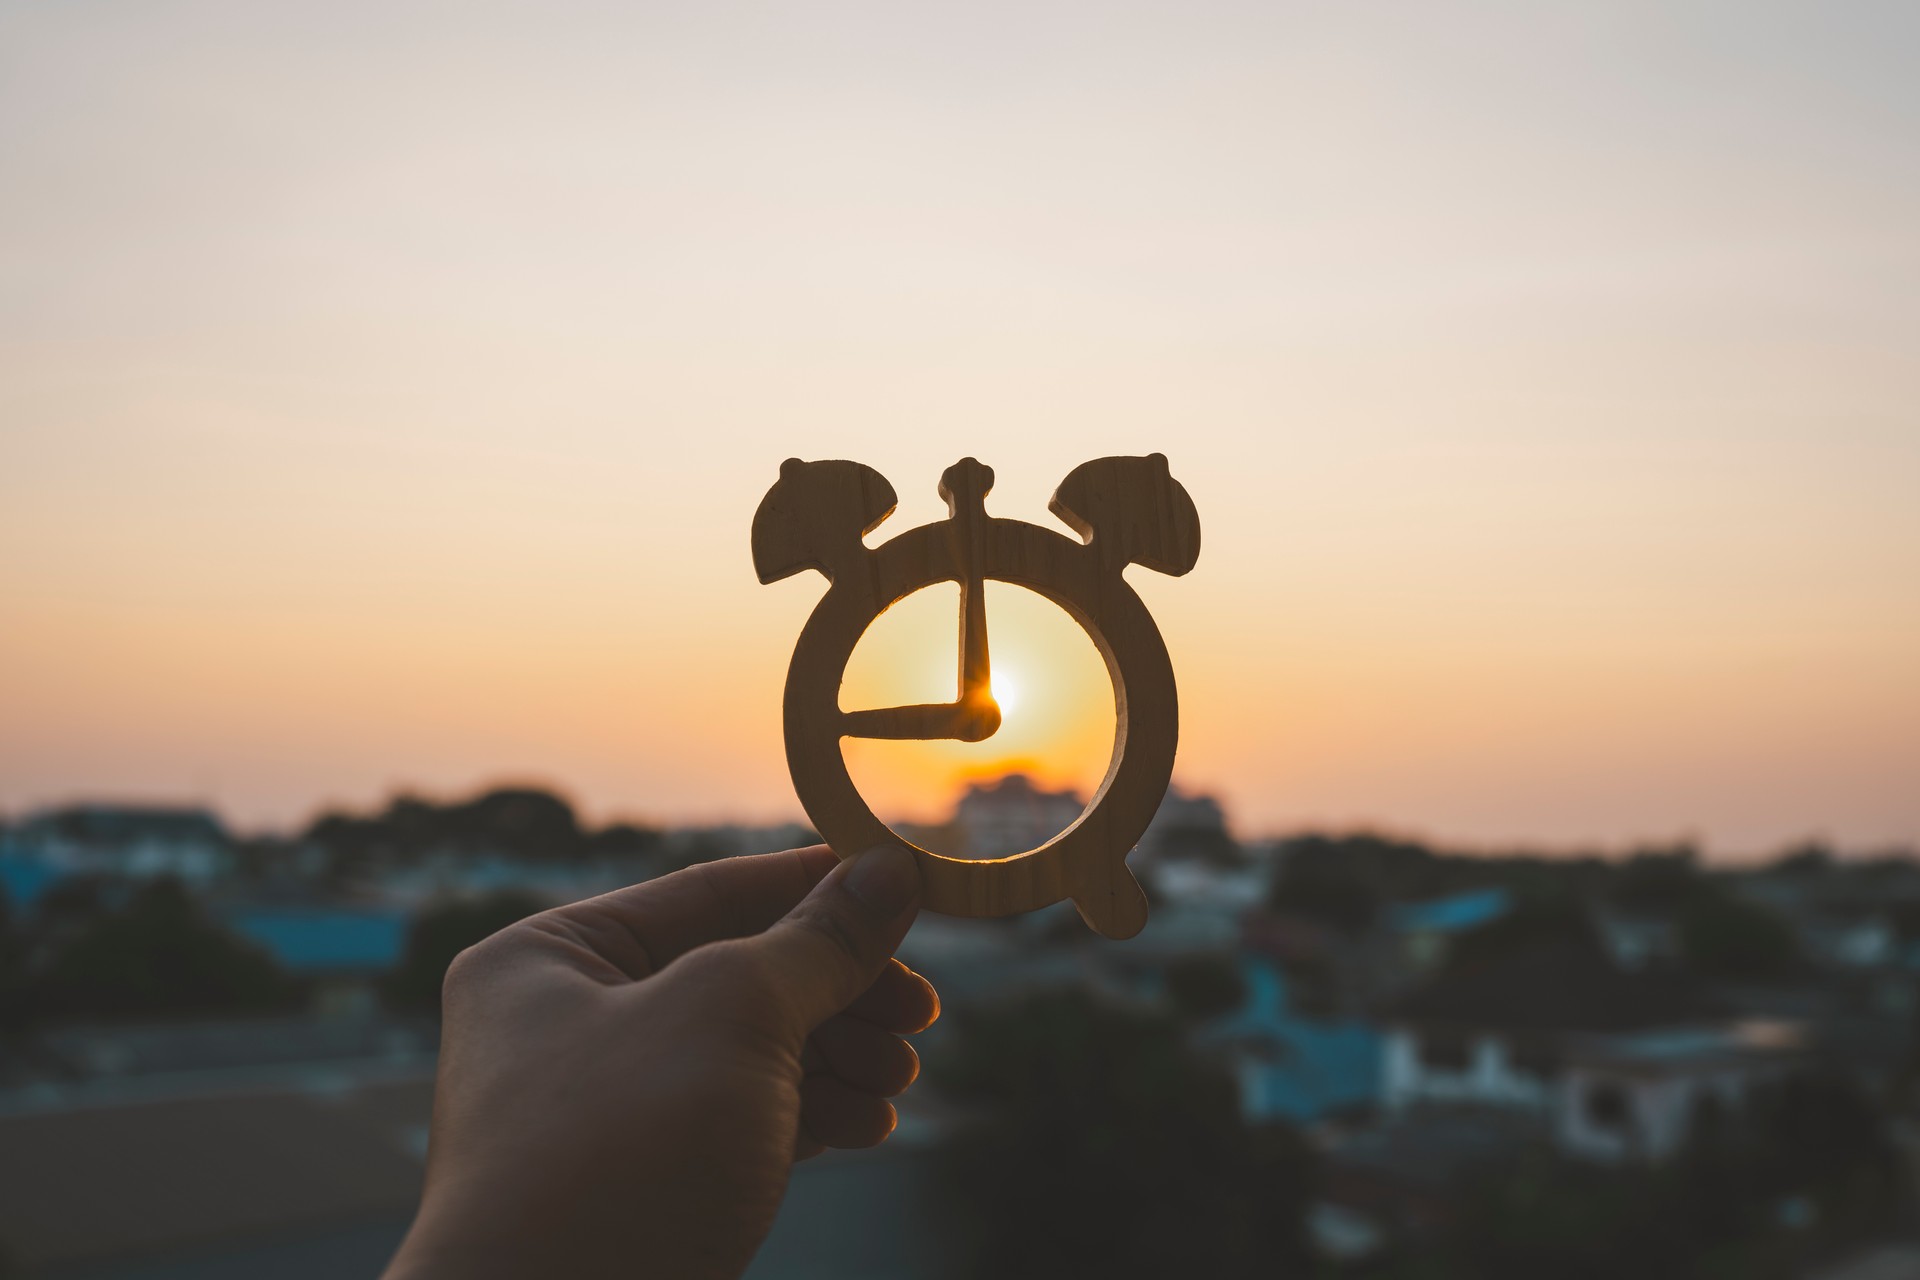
[386,390]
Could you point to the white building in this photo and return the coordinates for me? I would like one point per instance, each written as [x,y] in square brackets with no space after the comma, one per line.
[1209,887]
[1446,1065]
[127,841]
[1613,1065]
[1636,1097]
[1012,815]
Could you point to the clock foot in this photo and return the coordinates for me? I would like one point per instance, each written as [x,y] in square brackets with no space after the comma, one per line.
[1116,908]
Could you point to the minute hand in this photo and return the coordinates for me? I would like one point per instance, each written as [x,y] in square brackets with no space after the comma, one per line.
[975,715]
[965,487]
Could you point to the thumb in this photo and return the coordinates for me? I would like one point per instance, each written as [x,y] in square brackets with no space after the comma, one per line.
[837,939]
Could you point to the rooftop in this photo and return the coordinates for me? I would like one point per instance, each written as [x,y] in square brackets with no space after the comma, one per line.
[1455,913]
[123,824]
[315,941]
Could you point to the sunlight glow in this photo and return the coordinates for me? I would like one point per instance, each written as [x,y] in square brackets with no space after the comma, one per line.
[1549,420]
[1052,686]
[1006,689]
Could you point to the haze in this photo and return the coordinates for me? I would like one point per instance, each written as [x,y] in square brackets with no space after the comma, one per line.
[385,393]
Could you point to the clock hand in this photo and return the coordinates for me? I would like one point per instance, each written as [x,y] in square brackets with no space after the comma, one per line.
[975,716]
[938,721]
[965,486]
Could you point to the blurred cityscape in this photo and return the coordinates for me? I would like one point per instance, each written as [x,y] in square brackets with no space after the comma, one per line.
[1327,1055]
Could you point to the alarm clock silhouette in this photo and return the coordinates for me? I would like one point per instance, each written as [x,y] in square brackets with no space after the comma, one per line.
[1126,510]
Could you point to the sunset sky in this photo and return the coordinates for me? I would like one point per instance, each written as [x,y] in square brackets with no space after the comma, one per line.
[386,392]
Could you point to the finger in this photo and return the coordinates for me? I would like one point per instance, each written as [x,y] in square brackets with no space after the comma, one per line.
[805,1148]
[900,1000]
[864,1056]
[832,946]
[836,1114]
[642,928]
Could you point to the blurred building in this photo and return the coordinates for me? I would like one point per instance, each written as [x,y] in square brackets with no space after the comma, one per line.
[1404,1178]
[1845,916]
[341,951]
[99,1063]
[1613,1065]
[1289,1065]
[1637,939]
[137,842]
[1639,1096]
[1189,825]
[1422,933]
[1012,814]
[452,874]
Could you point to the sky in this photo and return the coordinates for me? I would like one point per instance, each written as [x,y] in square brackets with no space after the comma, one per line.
[386,391]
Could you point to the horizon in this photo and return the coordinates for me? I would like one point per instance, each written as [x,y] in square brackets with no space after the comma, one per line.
[1543,381]
[590,820]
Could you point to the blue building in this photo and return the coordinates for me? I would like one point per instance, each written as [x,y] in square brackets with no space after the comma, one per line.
[1288,1066]
[343,950]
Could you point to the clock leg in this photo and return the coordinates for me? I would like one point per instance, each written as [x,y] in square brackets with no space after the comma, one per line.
[1113,905]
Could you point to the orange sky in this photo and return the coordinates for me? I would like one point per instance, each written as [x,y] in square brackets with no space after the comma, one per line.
[384,399]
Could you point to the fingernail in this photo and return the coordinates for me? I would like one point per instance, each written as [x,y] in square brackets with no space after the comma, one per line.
[885,878]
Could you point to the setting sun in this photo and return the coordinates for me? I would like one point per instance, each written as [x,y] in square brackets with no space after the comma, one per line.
[1550,419]
[1006,690]
[1051,684]
[1341,582]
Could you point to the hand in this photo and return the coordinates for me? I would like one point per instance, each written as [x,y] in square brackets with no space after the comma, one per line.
[625,1082]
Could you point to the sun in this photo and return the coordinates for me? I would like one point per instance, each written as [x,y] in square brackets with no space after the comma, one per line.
[1006,688]
[1054,692]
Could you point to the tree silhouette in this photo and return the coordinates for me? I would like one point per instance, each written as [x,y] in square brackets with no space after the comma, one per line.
[1713,1212]
[13,963]
[1203,987]
[525,822]
[1722,936]
[159,955]
[1105,1147]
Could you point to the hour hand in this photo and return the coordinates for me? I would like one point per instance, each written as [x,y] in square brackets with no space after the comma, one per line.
[972,720]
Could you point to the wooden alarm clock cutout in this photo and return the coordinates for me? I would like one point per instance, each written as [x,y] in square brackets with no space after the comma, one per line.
[1127,510]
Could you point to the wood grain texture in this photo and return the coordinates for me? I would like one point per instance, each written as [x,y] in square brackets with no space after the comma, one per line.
[1127,510]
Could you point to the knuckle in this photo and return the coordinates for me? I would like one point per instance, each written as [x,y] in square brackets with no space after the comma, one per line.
[463,980]
[467,966]
[476,966]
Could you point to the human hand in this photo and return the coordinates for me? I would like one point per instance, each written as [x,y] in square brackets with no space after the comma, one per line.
[625,1082]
